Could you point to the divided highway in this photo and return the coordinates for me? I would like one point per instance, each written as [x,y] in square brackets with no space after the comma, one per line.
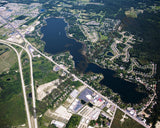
[22,82]
[32,82]
[50,59]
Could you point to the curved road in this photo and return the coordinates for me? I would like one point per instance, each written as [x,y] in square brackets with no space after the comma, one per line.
[31,70]
[31,75]
[22,82]
[50,59]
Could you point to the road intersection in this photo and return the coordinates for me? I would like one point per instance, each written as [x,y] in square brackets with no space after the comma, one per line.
[75,77]
[27,44]
[22,82]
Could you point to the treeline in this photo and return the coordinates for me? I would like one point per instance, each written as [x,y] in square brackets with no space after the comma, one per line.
[74,121]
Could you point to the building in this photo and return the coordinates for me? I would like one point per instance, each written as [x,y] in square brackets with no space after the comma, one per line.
[74,93]
[76,106]
[58,124]
[86,95]
[56,68]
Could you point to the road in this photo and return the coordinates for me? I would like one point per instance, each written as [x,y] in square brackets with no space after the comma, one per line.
[31,75]
[113,116]
[22,82]
[50,59]
[31,71]
[61,66]
[33,91]
[148,103]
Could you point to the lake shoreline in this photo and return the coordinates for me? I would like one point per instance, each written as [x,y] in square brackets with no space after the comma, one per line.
[108,74]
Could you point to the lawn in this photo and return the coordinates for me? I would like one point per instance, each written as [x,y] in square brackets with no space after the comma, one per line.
[11,99]
[7,58]
[74,121]
[26,68]
[4,32]
[43,71]
[128,122]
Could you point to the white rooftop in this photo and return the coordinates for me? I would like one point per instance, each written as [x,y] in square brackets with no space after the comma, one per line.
[58,123]
[74,93]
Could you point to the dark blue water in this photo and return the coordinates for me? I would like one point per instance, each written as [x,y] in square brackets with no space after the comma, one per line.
[42,10]
[127,90]
[110,54]
[57,42]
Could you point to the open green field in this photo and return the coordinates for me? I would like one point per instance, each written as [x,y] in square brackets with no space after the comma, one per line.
[4,32]
[74,121]
[12,109]
[7,58]
[43,71]
[127,123]
[26,67]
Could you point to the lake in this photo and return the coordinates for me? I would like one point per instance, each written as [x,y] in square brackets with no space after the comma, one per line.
[125,89]
[57,42]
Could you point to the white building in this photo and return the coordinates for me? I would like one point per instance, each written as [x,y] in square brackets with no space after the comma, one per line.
[58,124]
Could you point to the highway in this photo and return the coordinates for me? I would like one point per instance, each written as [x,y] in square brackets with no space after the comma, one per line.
[87,85]
[33,91]
[50,59]
[22,82]
[31,71]
[113,117]
[31,75]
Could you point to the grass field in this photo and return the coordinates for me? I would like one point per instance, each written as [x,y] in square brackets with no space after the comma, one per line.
[26,67]
[12,109]
[43,71]
[74,121]
[127,123]
[4,32]
[7,58]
